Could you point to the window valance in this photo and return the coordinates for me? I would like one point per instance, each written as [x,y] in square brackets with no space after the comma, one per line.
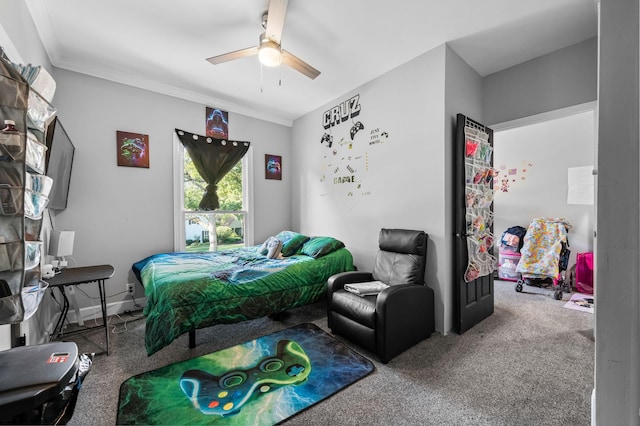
[213,159]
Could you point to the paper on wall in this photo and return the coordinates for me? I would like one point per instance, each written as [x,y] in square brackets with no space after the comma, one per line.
[580,185]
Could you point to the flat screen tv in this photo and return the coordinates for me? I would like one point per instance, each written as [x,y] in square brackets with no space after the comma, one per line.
[59,161]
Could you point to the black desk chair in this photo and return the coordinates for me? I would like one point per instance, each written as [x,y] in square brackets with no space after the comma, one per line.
[399,316]
[40,383]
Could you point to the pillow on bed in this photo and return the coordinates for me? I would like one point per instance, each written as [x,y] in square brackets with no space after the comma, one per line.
[291,242]
[271,248]
[263,250]
[320,246]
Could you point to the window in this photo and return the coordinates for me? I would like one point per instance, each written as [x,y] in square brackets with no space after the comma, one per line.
[231,225]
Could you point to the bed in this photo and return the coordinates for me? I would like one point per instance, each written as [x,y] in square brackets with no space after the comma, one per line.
[187,291]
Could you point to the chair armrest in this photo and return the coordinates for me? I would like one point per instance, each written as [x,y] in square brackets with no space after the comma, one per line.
[336,282]
[394,293]
[403,299]
[404,316]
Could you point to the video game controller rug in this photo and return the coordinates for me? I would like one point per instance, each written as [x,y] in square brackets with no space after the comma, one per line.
[260,382]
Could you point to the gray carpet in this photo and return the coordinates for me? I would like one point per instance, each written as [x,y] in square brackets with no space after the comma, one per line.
[531,363]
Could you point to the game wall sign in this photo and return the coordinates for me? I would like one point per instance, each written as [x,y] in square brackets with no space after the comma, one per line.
[344,111]
[132,149]
[345,165]
[348,109]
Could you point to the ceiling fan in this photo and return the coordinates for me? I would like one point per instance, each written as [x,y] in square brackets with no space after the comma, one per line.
[268,50]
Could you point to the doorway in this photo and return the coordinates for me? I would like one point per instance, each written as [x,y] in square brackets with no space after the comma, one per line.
[533,158]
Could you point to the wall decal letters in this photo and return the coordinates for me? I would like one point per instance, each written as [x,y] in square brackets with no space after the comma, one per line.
[340,113]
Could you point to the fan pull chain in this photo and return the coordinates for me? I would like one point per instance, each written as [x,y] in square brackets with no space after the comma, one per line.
[280,75]
[260,77]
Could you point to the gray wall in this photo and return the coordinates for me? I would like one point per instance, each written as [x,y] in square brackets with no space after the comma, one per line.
[16,20]
[617,376]
[463,94]
[123,214]
[553,81]
[399,182]
[406,183]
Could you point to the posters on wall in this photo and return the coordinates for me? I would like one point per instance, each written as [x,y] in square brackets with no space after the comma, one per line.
[132,149]
[273,167]
[216,123]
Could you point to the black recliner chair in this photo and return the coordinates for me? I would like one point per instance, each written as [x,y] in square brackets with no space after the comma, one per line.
[399,316]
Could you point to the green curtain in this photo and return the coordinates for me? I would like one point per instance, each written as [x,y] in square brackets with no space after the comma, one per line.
[213,159]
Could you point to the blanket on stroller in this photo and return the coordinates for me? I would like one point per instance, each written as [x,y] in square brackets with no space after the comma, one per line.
[542,246]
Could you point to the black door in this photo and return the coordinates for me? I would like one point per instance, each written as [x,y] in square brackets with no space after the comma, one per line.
[473,223]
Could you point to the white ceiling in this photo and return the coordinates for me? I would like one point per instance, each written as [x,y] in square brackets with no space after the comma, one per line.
[162,45]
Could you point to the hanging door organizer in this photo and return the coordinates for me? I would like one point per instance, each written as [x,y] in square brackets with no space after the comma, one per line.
[479,174]
[24,117]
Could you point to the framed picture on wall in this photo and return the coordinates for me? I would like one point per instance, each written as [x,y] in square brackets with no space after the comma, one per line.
[133,149]
[272,167]
[217,123]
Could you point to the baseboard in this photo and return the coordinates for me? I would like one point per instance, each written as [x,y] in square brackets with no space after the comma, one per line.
[94,312]
[593,407]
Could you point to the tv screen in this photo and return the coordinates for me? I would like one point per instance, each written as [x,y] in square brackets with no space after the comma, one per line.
[59,161]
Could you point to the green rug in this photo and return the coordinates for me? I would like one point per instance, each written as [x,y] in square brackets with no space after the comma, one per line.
[260,382]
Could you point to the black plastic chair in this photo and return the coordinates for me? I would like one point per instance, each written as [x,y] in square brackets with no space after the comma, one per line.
[399,316]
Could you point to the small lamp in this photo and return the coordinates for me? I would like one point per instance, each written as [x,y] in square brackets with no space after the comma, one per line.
[61,244]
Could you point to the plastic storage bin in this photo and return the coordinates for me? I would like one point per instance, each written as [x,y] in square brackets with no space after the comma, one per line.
[507,262]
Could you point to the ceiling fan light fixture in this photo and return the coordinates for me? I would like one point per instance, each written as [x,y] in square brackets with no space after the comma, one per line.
[269,52]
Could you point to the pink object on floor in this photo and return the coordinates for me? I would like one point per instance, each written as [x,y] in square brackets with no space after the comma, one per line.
[584,273]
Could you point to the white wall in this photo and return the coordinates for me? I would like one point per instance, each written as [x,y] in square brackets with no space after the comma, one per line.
[401,179]
[123,214]
[540,154]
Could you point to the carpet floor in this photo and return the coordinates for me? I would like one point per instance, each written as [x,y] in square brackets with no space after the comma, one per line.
[530,363]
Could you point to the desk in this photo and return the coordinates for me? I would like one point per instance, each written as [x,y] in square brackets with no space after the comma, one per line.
[77,276]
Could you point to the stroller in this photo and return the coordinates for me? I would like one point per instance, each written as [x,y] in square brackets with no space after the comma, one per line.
[545,255]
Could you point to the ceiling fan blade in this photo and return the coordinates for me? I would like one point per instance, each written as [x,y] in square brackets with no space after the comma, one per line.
[275,19]
[237,54]
[299,65]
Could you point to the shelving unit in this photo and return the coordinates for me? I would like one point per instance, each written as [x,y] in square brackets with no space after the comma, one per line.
[23,196]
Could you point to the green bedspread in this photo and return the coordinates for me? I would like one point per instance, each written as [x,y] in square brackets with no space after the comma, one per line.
[187,291]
